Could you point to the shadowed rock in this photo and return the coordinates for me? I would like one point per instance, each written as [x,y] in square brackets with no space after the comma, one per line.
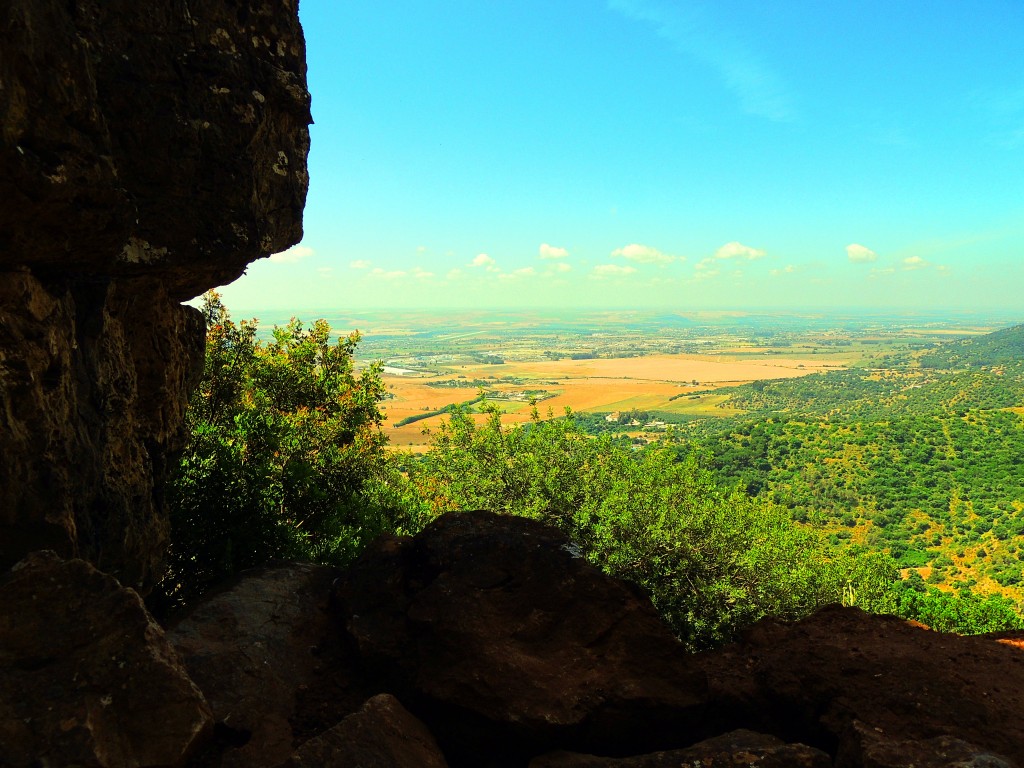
[87,678]
[731,750]
[504,643]
[382,734]
[252,648]
[148,151]
[873,690]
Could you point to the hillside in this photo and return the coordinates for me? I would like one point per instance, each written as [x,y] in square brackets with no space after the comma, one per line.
[921,462]
[1001,347]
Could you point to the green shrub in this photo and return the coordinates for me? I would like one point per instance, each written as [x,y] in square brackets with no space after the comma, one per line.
[713,561]
[286,458]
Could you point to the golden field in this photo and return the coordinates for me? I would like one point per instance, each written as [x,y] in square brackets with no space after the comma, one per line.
[646,383]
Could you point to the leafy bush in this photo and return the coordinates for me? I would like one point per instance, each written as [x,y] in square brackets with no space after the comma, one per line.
[713,561]
[286,458]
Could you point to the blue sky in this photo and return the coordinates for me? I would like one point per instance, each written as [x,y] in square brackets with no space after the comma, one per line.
[656,153]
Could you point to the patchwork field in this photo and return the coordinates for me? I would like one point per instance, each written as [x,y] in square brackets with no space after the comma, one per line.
[604,385]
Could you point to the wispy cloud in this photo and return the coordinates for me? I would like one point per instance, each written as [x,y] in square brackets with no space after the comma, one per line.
[611,270]
[915,262]
[789,269]
[551,252]
[360,264]
[860,254]
[736,250]
[292,255]
[515,274]
[644,254]
[705,268]
[759,89]
[384,274]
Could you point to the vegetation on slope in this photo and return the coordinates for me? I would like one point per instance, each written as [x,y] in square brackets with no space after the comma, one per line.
[721,528]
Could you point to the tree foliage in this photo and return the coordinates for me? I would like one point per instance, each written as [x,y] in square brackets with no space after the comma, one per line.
[286,458]
[713,561]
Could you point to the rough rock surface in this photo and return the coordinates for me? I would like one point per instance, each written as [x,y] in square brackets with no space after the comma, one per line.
[87,678]
[252,649]
[873,690]
[382,734]
[492,632]
[148,151]
[731,750]
[92,398]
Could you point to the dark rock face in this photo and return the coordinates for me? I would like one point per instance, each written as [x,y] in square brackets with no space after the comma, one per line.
[148,151]
[87,678]
[739,748]
[382,734]
[251,649]
[504,643]
[164,139]
[874,690]
[91,408]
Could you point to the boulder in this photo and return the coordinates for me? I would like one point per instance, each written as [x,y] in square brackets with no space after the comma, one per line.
[252,649]
[873,690]
[505,642]
[867,747]
[382,734]
[148,151]
[731,750]
[87,678]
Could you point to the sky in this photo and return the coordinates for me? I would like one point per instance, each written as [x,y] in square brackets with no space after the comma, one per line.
[730,154]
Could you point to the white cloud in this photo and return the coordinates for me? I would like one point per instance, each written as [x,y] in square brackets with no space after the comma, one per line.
[561,267]
[384,274]
[292,255]
[421,274]
[485,261]
[551,252]
[736,250]
[644,254]
[612,270]
[787,270]
[421,249]
[915,262]
[454,274]
[325,271]
[360,264]
[860,254]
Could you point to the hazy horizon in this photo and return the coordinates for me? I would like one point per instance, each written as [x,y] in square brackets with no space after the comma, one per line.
[652,154]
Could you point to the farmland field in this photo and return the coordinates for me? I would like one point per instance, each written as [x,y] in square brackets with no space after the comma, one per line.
[604,385]
[606,362]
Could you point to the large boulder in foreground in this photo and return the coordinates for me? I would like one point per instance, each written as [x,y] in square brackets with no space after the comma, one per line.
[875,690]
[382,734]
[506,643]
[253,648]
[148,152]
[731,750]
[87,678]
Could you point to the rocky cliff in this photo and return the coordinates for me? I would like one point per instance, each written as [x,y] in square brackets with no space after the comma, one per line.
[149,151]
